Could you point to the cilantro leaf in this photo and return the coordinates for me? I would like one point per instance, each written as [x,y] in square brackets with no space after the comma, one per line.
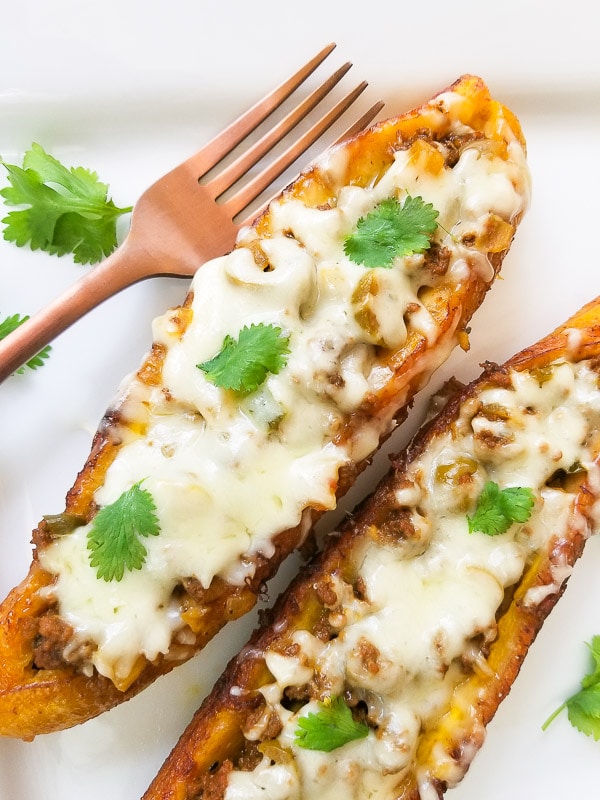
[10,324]
[331,727]
[583,707]
[243,365]
[584,711]
[114,538]
[65,210]
[497,508]
[392,230]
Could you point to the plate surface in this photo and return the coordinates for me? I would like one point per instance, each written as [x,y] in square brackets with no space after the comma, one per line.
[129,89]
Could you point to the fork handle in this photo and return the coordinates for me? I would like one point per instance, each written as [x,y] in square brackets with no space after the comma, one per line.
[103,281]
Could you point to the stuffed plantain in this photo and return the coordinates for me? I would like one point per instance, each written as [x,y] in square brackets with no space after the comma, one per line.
[384,660]
[264,395]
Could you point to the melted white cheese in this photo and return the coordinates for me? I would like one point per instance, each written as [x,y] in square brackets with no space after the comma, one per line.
[428,608]
[274,782]
[228,475]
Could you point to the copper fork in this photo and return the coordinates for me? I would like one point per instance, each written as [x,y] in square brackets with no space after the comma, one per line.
[181,221]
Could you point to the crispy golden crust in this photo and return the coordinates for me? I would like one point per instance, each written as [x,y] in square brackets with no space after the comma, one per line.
[34,700]
[214,736]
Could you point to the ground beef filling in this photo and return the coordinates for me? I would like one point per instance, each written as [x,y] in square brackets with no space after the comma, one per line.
[53,635]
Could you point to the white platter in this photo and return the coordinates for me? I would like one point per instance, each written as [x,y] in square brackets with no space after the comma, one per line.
[131,88]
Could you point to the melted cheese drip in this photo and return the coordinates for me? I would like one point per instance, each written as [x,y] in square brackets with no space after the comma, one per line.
[430,600]
[227,476]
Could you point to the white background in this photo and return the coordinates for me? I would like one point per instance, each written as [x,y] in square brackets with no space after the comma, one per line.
[129,88]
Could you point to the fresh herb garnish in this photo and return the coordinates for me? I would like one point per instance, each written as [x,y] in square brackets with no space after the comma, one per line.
[583,707]
[497,508]
[114,538]
[331,727]
[243,365]
[392,230]
[67,210]
[9,325]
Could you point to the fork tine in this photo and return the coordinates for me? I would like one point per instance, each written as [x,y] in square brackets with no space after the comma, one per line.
[355,128]
[253,188]
[237,131]
[361,123]
[228,176]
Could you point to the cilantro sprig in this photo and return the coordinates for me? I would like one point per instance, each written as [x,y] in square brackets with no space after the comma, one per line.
[331,727]
[10,324]
[498,508]
[243,364]
[114,539]
[391,230]
[583,707]
[63,210]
